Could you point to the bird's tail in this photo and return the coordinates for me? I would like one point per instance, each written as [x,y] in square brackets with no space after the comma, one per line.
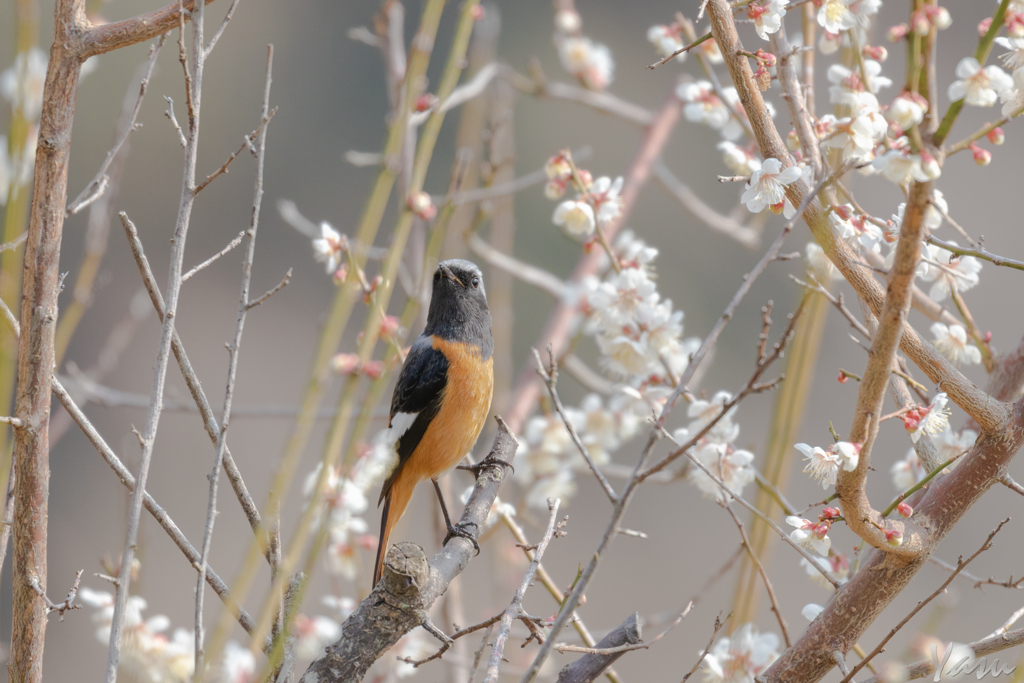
[395,502]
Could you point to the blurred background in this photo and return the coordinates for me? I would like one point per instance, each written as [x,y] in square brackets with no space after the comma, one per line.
[331,96]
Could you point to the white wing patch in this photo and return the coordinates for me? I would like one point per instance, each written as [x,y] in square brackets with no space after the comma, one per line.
[400,424]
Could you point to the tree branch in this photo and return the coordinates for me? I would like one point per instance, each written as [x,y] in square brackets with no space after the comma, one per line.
[411,584]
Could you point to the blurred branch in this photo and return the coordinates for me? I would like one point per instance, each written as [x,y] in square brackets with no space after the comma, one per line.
[692,202]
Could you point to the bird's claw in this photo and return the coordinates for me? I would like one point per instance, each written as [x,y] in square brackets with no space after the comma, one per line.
[489,461]
[461,531]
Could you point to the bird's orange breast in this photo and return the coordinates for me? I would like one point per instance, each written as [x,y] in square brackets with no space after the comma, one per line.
[465,403]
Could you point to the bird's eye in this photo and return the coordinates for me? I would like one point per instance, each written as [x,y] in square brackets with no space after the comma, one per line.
[476,282]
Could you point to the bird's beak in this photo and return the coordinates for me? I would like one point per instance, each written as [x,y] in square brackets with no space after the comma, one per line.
[447,272]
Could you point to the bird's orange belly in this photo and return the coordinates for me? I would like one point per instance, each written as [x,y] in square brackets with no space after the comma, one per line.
[464,407]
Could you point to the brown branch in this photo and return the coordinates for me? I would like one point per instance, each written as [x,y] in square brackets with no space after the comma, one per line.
[981,648]
[692,202]
[851,487]
[981,252]
[97,39]
[625,647]
[247,141]
[411,584]
[590,666]
[960,565]
[272,291]
[707,648]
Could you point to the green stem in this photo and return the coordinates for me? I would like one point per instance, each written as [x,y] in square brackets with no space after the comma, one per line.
[919,485]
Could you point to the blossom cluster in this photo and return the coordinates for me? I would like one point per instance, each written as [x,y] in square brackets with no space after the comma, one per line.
[716,449]
[597,204]
[741,657]
[591,63]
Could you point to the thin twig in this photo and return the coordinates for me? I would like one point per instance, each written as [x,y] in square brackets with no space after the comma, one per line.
[231,245]
[707,648]
[69,601]
[229,390]
[246,144]
[550,377]
[682,50]
[272,291]
[99,184]
[981,252]
[565,647]
[516,607]
[761,571]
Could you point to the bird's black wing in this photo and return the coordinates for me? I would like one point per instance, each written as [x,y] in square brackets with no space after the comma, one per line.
[418,392]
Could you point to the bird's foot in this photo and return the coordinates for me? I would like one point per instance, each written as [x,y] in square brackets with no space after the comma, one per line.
[461,530]
[489,461]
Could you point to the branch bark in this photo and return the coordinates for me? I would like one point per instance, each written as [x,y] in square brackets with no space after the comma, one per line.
[411,584]
[588,667]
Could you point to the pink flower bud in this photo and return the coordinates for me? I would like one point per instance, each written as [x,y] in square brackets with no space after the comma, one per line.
[478,12]
[929,165]
[425,101]
[766,57]
[842,211]
[904,510]
[586,178]
[373,369]
[996,136]
[894,537]
[987,337]
[876,52]
[919,21]
[831,513]
[422,205]
[555,188]
[345,363]
[341,274]
[777,208]
[842,379]
[897,33]
[984,25]
[820,531]
[389,326]
[982,156]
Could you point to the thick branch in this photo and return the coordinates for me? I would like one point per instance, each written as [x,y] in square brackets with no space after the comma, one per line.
[411,584]
[95,40]
[588,667]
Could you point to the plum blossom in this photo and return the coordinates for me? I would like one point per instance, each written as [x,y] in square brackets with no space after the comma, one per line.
[314,634]
[739,160]
[605,194]
[930,419]
[865,9]
[666,40]
[835,16]
[576,217]
[329,247]
[821,464]
[957,273]
[22,83]
[702,104]
[978,86]
[837,564]
[239,666]
[1013,97]
[741,657]
[907,110]
[857,136]
[848,85]
[897,166]
[1014,59]
[590,62]
[765,188]
[730,465]
[819,265]
[811,611]
[810,535]
[767,17]
[951,341]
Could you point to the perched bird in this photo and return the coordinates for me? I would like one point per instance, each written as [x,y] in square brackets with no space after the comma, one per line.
[442,396]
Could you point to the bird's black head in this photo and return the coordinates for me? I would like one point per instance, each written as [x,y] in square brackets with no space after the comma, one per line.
[458,305]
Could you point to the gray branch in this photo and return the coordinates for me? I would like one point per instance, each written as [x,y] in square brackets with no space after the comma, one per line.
[588,667]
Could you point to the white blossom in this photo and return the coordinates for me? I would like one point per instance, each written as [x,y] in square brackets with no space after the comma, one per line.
[930,419]
[1013,97]
[978,86]
[765,188]
[702,104]
[22,83]
[576,217]
[835,16]
[959,273]
[906,111]
[907,472]
[767,17]
[811,611]
[821,464]
[314,634]
[838,565]
[951,341]
[590,62]
[741,657]
[731,466]
[820,265]
[1014,59]
[329,247]
[810,535]
[666,40]
[899,167]
[607,201]
[738,159]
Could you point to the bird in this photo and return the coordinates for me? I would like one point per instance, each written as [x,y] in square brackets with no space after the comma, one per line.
[442,397]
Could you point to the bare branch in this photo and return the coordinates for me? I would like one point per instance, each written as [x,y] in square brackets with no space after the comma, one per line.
[231,245]
[69,601]
[764,575]
[272,291]
[590,666]
[695,205]
[981,252]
